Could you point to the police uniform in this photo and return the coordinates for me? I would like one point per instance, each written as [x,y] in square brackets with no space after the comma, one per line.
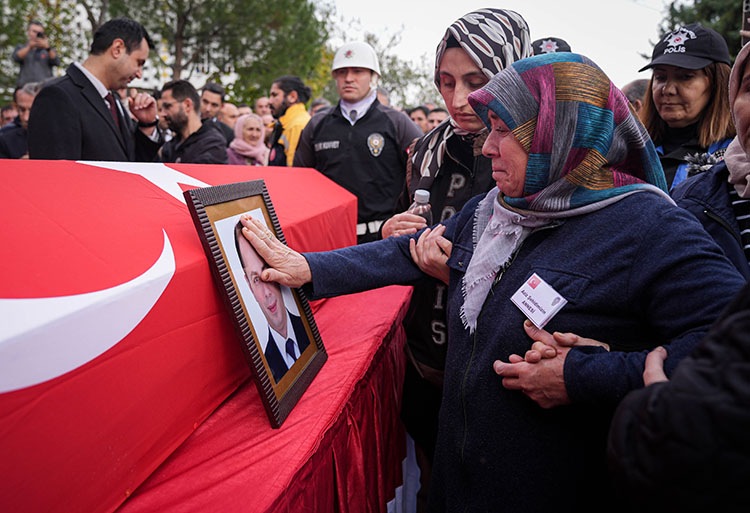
[367,158]
[463,173]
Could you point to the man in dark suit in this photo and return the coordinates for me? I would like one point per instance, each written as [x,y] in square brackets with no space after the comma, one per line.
[212,102]
[287,338]
[76,117]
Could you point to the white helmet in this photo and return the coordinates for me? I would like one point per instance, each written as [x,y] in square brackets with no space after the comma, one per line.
[356,55]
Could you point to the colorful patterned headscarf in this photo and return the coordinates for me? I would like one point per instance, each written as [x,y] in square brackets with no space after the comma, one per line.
[586,148]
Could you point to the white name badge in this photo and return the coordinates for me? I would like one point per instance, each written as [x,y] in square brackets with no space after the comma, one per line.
[538,300]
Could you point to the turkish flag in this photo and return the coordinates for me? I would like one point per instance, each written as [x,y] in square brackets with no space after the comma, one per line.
[116,344]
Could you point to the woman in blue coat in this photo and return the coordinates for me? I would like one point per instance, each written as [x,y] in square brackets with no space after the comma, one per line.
[580,203]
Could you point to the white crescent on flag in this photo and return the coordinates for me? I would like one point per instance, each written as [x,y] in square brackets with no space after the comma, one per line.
[43,338]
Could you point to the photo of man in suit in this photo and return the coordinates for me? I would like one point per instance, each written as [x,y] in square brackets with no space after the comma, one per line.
[287,338]
[77,117]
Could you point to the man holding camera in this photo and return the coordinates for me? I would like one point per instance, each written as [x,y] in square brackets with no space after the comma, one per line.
[36,56]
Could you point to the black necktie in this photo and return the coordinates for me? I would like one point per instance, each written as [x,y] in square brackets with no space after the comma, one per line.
[113,109]
[353,115]
[290,348]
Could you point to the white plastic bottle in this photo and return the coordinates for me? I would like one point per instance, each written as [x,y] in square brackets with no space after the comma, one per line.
[421,205]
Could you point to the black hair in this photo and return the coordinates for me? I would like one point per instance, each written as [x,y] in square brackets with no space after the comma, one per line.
[237,235]
[320,101]
[438,109]
[213,87]
[182,89]
[289,83]
[130,31]
[35,22]
[636,89]
[424,110]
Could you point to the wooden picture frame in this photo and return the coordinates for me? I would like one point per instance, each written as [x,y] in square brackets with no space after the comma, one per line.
[261,312]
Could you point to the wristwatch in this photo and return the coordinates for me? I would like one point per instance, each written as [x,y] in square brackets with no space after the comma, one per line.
[148,125]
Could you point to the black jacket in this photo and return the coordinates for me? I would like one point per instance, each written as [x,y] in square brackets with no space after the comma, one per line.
[69,120]
[225,129]
[464,173]
[206,146]
[13,140]
[684,445]
[706,196]
[367,159]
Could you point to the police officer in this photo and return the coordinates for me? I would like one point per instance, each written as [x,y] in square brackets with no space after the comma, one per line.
[360,144]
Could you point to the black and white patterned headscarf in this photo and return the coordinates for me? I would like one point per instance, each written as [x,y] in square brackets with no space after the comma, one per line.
[493,39]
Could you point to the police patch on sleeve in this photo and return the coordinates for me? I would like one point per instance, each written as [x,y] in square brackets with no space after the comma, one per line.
[375,142]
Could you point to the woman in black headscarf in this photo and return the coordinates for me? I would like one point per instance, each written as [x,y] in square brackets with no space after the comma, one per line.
[448,162]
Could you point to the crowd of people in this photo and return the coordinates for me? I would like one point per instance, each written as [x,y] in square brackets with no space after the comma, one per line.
[572,342]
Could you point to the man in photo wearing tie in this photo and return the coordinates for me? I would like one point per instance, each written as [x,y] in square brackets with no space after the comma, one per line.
[76,117]
[287,338]
[360,144]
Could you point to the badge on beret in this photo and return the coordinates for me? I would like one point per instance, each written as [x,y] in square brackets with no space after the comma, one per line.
[375,142]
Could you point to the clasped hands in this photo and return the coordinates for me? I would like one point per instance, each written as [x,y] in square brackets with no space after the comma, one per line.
[540,372]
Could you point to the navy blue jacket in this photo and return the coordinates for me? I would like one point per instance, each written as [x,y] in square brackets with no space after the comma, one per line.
[636,274]
[13,140]
[706,196]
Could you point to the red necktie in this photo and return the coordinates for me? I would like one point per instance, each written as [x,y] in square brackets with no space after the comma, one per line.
[113,109]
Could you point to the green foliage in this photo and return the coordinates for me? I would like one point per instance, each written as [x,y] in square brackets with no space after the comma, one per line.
[244,45]
[248,43]
[724,16]
[408,83]
[62,25]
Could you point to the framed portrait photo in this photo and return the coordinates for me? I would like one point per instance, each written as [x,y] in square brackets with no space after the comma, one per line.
[274,323]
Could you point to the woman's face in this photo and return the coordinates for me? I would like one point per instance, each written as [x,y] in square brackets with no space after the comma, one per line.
[509,158]
[680,94]
[741,109]
[459,76]
[251,131]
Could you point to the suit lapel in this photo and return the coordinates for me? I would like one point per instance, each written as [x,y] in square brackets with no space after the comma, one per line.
[275,360]
[89,92]
[299,333]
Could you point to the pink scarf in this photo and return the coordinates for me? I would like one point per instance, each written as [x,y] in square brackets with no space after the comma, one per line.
[738,162]
[257,152]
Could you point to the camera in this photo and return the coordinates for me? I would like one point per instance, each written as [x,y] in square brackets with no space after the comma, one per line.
[40,35]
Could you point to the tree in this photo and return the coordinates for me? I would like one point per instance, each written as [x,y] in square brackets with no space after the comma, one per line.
[246,44]
[724,16]
[408,83]
[63,26]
